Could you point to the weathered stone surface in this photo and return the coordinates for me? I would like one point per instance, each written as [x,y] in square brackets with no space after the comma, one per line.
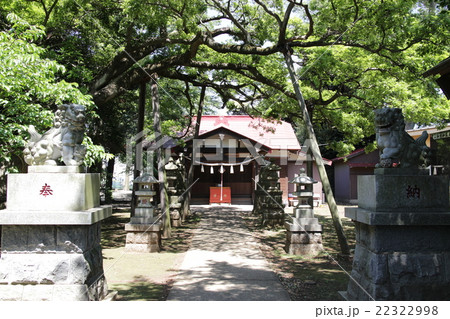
[70,192]
[302,249]
[49,239]
[385,238]
[381,193]
[303,238]
[50,245]
[402,244]
[303,243]
[155,227]
[142,248]
[297,227]
[48,169]
[57,217]
[143,238]
[423,267]
[43,269]
[45,293]
[397,218]
[394,275]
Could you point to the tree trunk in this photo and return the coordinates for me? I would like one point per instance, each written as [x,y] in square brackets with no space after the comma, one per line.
[138,161]
[345,250]
[190,177]
[109,181]
[164,199]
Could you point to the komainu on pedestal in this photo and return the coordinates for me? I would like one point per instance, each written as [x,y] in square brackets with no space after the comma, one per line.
[51,227]
[402,222]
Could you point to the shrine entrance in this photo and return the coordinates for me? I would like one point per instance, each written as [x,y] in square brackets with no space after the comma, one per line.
[224,184]
[224,169]
[229,152]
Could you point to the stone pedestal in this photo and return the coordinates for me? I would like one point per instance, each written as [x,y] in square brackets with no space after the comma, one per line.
[304,237]
[50,237]
[143,238]
[402,238]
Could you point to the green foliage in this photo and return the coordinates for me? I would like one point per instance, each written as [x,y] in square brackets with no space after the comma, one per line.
[94,153]
[353,56]
[29,87]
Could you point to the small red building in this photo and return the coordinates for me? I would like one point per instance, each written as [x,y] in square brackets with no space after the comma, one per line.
[230,151]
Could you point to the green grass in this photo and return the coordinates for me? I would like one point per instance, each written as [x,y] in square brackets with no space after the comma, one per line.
[139,291]
[142,276]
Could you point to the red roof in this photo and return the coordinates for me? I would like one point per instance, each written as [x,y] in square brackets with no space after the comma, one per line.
[352,154]
[273,134]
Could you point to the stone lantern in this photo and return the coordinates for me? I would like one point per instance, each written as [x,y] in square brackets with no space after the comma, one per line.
[144,209]
[143,230]
[305,195]
[304,234]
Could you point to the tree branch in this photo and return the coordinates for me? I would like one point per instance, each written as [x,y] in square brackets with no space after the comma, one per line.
[283,27]
[277,18]
[226,11]
[310,28]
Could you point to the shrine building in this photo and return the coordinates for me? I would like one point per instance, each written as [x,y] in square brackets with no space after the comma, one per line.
[230,151]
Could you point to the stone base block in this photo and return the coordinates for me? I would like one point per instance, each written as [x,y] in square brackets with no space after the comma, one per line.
[53,192]
[304,250]
[401,263]
[304,225]
[49,169]
[43,262]
[57,217]
[142,248]
[143,238]
[303,243]
[76,292]
[43,293]
[415,193]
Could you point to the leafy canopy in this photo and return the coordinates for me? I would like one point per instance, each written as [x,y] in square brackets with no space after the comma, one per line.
[352,56]
[30,87]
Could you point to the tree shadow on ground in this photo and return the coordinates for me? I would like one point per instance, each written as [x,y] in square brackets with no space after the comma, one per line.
[225,281]
[113,228]
[316,278]
[181,238]
[140,290]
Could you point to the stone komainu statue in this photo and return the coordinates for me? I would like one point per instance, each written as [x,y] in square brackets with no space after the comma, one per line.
[63,139]
[396,146]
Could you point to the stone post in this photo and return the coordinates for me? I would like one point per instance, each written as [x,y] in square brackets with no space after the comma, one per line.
[182,186]
[269,203]
[172,184]
[402,237]
[50,236]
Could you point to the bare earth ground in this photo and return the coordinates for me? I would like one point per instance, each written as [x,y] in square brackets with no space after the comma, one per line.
[309,278]
[150,276]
